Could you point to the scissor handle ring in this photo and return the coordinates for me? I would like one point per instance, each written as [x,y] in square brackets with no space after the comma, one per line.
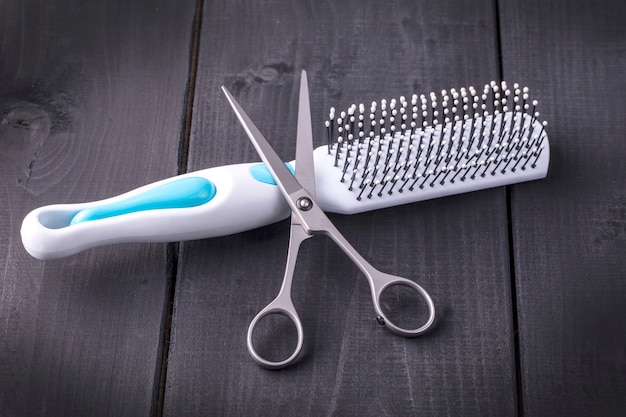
[290,313]
[388,323]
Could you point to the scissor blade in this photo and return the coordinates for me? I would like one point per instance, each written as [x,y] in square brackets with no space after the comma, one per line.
[284,179]
[305,170]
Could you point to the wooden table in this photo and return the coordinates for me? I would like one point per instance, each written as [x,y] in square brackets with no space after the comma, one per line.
[100,97]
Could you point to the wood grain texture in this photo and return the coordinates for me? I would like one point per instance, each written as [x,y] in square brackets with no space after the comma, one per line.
[570,230]
[455,247]
[91,105]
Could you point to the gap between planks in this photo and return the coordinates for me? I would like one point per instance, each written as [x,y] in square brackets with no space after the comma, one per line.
[160,378]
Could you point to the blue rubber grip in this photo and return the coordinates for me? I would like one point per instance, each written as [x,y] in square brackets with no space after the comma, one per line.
[180,193]
[260,173]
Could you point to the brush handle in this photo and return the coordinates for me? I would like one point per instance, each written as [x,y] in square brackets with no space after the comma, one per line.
[208,203]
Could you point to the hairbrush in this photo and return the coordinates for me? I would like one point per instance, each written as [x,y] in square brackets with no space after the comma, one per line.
[395,152]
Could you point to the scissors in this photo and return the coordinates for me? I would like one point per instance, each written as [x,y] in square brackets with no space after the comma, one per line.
[308,220]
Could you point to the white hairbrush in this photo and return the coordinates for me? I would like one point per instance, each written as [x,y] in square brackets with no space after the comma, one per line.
[396,152]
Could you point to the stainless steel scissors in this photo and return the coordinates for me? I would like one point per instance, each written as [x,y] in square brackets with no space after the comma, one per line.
[307,220]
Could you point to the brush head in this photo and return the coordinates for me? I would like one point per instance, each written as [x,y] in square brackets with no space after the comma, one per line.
[434,145]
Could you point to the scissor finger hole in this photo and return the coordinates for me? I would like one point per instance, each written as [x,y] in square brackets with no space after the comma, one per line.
[405,307]
[274,338]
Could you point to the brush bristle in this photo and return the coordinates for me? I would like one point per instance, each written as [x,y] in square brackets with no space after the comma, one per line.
[436,140]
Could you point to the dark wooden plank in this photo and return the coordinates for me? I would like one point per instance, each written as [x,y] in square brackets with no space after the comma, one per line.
[455,247]
[569,230]
[91,105]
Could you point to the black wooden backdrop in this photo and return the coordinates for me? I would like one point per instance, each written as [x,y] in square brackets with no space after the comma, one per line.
[100,97]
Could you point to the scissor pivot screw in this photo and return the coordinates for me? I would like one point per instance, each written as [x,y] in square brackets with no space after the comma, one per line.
[304,203]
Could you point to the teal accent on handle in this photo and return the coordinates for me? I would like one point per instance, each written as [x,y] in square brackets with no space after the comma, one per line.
[181,193]
[261,173]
